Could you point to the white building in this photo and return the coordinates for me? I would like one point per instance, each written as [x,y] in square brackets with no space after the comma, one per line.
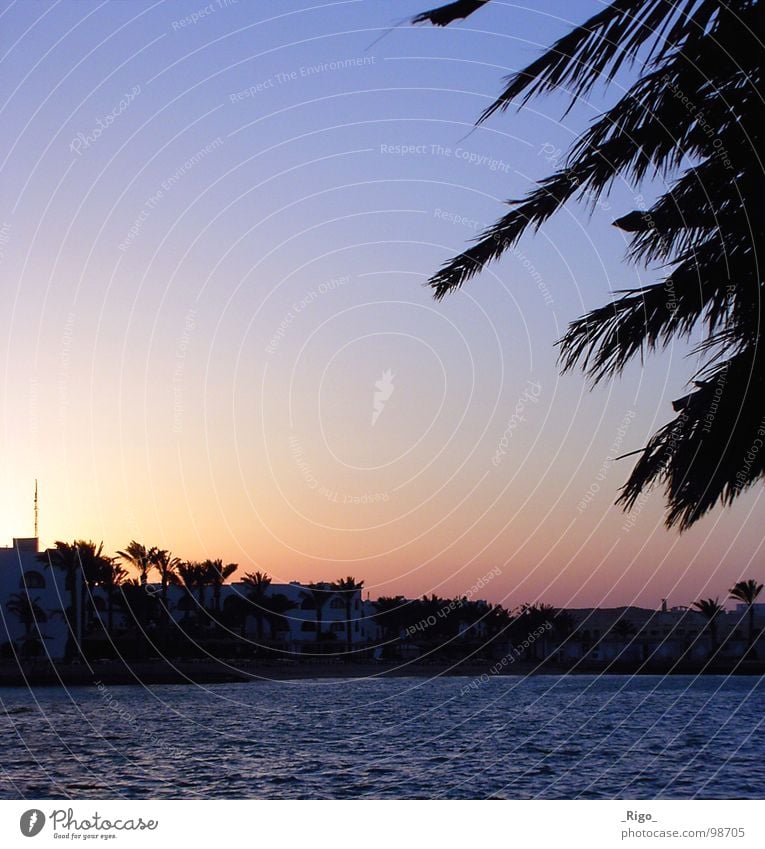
[32,601]
[297,626]
[640,634]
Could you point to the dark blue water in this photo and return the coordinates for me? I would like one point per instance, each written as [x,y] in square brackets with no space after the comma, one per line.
[540,737]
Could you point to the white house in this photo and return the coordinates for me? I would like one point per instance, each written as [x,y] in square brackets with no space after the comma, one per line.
[302,620]
[26,582]
[640,634]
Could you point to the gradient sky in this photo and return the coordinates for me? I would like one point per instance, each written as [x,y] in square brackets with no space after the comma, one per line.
[212,251]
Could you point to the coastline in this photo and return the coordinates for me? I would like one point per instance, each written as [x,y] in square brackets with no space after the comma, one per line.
[158,672]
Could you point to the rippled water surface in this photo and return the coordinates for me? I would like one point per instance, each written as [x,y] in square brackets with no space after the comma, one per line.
[548,737]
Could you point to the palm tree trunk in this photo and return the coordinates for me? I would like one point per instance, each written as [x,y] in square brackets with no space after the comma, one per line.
[201,612]
[751,629]
[71,642]
[85,609]
[77,614]
[165,604]
[348,635]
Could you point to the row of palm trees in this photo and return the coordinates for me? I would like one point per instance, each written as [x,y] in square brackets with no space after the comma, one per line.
[443,627]
[746,592]
[130,588]
[126,582]
[434,623]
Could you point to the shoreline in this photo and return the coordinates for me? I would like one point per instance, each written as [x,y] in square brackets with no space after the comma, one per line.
[153,673]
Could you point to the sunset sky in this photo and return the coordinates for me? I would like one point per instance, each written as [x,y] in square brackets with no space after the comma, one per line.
[217,221]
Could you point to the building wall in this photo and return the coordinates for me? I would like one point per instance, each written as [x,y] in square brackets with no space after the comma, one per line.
[301,620]
[20,573]
[659,635]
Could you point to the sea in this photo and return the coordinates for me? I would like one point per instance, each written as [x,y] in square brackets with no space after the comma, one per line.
[501,737]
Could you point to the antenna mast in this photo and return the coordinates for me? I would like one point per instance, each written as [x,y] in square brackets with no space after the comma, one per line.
[36,511]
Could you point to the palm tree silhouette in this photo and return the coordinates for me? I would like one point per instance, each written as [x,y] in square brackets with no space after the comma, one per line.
[194,577]
[277,606]
[347,588]
[167,565]
[216,573]
[747,592]
[318,595]
[113,576]
[96,570]
[392,614]
[694,113]
[623,629]
[136,603]
[84,565]
[711,609]
[64,557]
[29,613]
[531,619]
[202,580]
[140,557]
[441,16]
[258,584]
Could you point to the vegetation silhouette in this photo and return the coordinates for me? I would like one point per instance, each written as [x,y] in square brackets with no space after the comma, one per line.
[710,608]
[30,614]
[693,119]
[216,573]
[113,576]
[194,624]
[347,588]
[196,578]
[747,592]
[140,557]
[624,629]
[315,598]
[258,584]
[85,566]
[167,567]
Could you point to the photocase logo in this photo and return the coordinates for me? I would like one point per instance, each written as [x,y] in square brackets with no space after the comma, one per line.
[383,390]
[32,822]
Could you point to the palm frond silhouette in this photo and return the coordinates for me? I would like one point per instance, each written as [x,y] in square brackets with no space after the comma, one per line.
[692,118]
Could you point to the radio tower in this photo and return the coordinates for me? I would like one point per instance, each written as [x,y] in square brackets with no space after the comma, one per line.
[36,508]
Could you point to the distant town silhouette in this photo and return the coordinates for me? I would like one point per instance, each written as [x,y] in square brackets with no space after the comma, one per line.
[73,604]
